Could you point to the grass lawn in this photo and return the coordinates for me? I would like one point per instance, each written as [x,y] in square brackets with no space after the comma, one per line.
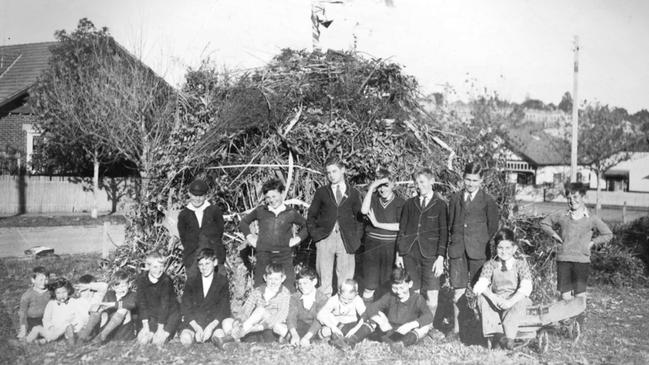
[617,328]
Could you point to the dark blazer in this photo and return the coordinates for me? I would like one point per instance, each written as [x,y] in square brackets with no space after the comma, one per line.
[324,212]
[472,225]
[203,310]
[155,301]
[209,234]
[423,228]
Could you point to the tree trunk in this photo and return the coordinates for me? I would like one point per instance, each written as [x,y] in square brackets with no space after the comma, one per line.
[95,184]
[598,205]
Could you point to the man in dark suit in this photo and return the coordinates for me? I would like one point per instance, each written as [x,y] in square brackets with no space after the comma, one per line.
[335,226]
[206,303]
[200,224]
[473,221]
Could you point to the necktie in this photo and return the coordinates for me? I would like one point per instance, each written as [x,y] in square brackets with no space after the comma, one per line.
[467,197]
[339,194]
[423,201]
[503,267]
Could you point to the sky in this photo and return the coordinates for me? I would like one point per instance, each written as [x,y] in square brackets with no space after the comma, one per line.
[516,48]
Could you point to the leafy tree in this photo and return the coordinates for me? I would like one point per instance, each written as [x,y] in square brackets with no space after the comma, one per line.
[605,139]
[565,104]
[98,99]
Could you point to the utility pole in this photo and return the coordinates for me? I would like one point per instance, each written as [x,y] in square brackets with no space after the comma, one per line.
[575,114]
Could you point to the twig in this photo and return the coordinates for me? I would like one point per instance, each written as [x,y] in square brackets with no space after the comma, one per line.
[262,165]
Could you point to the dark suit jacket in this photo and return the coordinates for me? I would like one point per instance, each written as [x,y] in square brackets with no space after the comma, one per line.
[208,235]
[472,225]
[324,212]
[203,310]
[423,228]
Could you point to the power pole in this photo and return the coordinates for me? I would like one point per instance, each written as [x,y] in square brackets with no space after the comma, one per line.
[575,114]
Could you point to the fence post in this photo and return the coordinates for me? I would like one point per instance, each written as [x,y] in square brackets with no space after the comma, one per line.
[104,241]
[624,212]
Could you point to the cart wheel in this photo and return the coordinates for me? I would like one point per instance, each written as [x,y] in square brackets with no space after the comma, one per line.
[575,331]
[543,341]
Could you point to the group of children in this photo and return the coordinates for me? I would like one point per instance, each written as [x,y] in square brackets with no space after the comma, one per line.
[406,244]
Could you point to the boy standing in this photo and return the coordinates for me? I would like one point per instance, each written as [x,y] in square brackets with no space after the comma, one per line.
[206,303]
[200,224]
[334,225]
[33,302]
[156,303]
[576,228]
[275,240]
[383,208]
[422,237]
[473,220]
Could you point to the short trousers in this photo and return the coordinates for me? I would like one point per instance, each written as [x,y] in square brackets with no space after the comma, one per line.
[464,270]
[572,276]
[420,270]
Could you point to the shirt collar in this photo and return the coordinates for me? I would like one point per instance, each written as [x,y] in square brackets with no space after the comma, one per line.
[190,206]
[279,209]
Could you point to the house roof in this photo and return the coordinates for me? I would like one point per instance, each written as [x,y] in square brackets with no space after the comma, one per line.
[537,147]
[20,66]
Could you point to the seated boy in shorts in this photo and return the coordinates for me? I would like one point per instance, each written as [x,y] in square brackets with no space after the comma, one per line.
[303,309]
[90,292]
[206,303]
[115,313]
[503,290]
[341,315]
[266,308]
[156,303]
[400,318]
[33,302]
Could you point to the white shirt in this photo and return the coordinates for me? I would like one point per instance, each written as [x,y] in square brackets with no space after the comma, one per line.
[279,209]
[343,188]
[199,211]
[207,282]
[426,199]
[472,195]
[524,287]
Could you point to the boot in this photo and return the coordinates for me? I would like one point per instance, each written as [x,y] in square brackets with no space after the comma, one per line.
[360,335]
[115,321]
[70,336]
[86,331]
[219,342]
[409,339]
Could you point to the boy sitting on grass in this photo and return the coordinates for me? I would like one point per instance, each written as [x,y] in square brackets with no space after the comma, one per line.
[206,303]
[341,315]
[91,292]
[62,315]
[400,318]
[304,307]
[33,302]
[503,291]
[266,309]
[156,303]
[116,311]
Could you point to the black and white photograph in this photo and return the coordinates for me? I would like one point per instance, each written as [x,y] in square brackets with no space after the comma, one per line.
[324,182]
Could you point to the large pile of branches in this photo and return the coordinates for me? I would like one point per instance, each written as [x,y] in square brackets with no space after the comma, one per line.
[284,120]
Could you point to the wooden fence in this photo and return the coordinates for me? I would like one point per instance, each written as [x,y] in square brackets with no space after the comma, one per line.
[59,194]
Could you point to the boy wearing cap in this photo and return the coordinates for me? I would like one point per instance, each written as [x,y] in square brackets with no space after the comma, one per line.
[200,224]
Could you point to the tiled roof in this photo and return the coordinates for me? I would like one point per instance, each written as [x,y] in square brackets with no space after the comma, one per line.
[20,66]
[539,148]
